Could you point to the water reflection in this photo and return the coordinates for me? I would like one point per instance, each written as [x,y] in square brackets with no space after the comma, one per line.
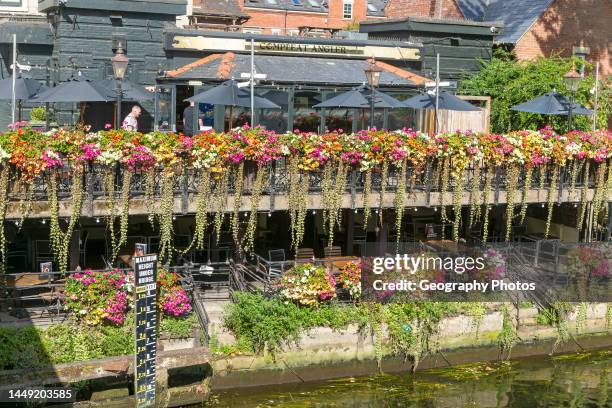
[577,380]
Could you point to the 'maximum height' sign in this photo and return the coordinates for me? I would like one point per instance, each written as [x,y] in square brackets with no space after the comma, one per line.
[145,305]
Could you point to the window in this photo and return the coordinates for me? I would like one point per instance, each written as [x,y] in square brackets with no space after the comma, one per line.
[276,31]
[251,30]
[314,3]
[372,7]
[293,33]
[297,2]
[11,3]
[272,2]
[347,11]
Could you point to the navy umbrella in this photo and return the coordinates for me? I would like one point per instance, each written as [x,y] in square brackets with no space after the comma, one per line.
[25,88]
[130,92]
[77,89]
[229,94]
[360,98]
[551,103]
[446,101]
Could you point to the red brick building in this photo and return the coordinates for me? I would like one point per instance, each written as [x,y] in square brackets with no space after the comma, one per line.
[310,17]
[534,28]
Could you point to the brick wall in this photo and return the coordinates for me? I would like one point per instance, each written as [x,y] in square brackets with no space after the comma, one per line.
[423,8]
[566,23]
[267,19]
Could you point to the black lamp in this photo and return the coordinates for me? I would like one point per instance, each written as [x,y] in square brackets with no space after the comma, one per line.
[372,73]
[120,64]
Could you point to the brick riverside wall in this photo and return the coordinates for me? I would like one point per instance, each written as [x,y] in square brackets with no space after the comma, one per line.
[564,24]
[267,19]
[422,8]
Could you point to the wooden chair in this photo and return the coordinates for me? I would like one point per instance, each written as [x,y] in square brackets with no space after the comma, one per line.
[332,251]
[304,254]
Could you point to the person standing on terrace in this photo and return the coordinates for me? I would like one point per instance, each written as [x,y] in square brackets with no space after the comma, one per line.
[131,120]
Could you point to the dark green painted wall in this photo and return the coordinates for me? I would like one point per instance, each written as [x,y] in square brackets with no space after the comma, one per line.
[459,53]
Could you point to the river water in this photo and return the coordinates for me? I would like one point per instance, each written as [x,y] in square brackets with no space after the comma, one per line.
[573,380]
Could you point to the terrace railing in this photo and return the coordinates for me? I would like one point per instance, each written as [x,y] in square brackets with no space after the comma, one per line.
[277,182]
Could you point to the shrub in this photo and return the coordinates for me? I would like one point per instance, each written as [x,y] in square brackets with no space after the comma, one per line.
[261,324]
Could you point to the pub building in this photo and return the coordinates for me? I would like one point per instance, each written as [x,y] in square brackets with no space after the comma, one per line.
[81,36]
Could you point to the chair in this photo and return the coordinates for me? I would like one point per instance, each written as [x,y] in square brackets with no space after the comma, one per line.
[332,251]
[276,258]
[304,254]
[276,255]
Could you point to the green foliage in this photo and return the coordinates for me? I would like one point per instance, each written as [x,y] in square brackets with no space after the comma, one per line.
[261,324]
[508,337]
[70,341]
[412,325]
[21,347]
[38,114]
[180,326]
[510,83]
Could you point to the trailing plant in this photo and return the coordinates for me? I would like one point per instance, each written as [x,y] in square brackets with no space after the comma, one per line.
[256,192]
[166,223]
[201,216]
[507,337]
[238,177]
[512,185]
[552,191]
[367,192]
[400,198]
[4,184]
[298,202]
[524,196]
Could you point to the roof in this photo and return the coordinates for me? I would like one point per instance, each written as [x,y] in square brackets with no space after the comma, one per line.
[375,8]
[431,24]
[229,8]
[301,70]
[518,15]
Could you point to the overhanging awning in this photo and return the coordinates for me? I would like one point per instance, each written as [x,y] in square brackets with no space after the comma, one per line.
[299,70]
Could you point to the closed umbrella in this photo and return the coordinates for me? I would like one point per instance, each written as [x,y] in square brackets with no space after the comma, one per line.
[130,92]
[360,98]
[25,88]
[229,94]
[446,101]
[551,103]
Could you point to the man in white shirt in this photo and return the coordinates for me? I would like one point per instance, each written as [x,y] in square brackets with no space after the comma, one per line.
[131,121]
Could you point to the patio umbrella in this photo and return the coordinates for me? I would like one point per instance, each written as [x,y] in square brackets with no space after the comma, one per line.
[446,101]
[77,89]
[131,92]
[551,103]
[360,98]
[229,94]
[25,88]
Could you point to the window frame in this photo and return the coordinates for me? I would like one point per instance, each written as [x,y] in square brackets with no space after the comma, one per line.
[346,4]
